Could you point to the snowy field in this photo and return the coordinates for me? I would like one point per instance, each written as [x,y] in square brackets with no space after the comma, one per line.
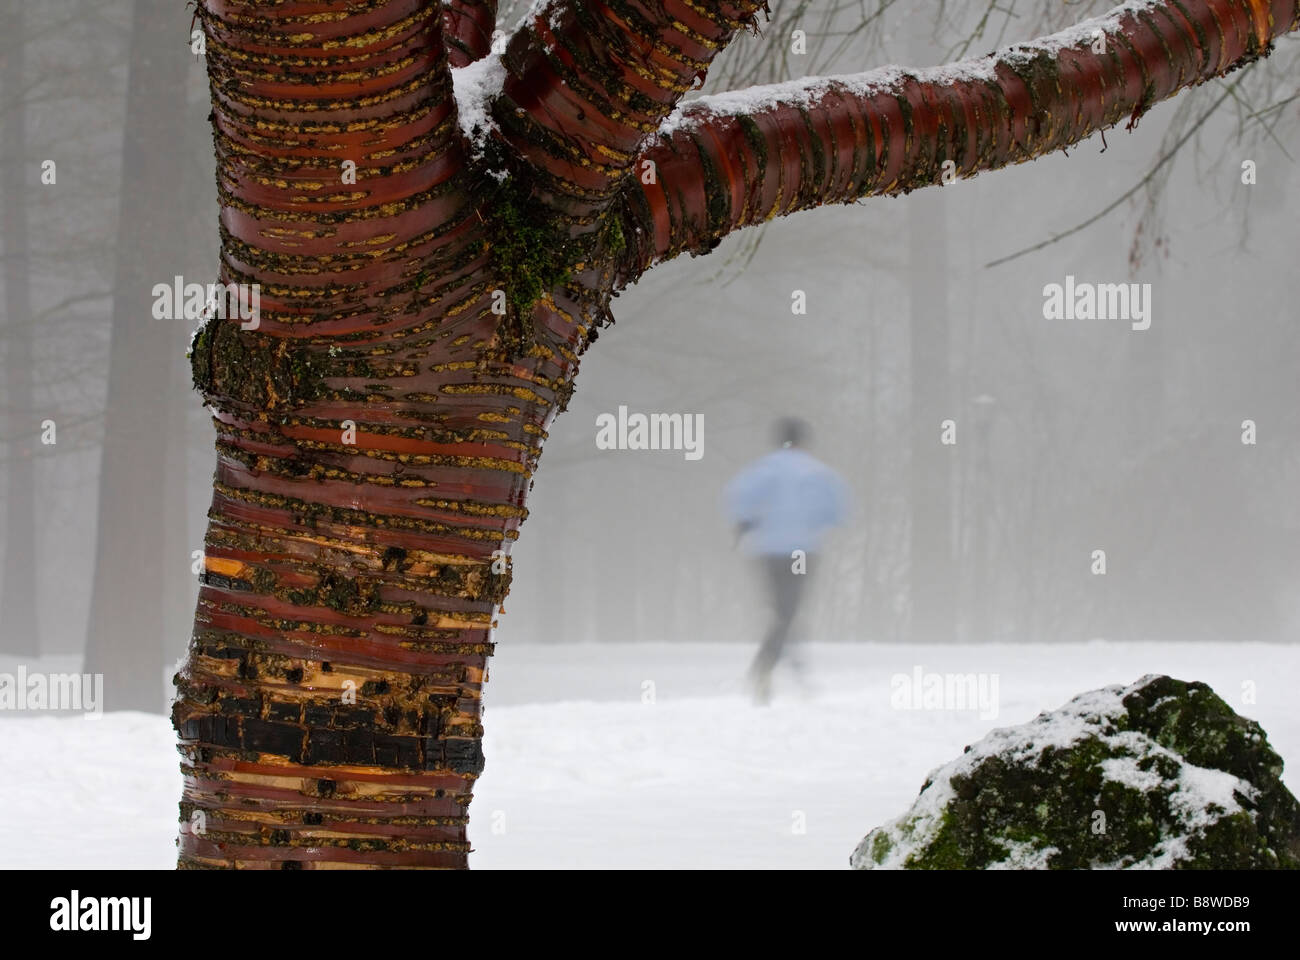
[643,756]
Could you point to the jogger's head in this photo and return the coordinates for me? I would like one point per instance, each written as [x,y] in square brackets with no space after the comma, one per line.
[791,432]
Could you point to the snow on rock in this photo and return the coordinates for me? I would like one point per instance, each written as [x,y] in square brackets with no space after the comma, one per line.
[1159,774]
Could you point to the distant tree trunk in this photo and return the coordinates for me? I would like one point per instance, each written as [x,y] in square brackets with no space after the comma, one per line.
[420,327]
[19,623]
[868,604]
[933,585]
[124,635]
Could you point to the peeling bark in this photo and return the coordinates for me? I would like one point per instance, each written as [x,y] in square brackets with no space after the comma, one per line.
[329,708]
[467,29]
[587,81]
[838,140]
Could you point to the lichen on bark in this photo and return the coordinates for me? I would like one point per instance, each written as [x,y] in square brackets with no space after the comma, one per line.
[230,364]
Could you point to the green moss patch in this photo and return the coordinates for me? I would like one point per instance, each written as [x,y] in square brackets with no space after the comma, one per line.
[1160,774]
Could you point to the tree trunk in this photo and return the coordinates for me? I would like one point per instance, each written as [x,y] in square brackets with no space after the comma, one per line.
[375,442]
[420,326]
[18,581]
[124,639]
[930,561]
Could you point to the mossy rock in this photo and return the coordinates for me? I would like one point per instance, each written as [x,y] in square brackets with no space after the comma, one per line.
[1160,774]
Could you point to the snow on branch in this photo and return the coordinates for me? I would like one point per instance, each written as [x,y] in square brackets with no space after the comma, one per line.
[735,159]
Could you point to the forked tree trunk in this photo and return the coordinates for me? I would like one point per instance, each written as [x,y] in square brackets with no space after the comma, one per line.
[376,434]
[377,431]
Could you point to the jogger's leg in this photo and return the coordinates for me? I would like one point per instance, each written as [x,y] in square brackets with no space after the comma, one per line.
[784,588]
[760,670]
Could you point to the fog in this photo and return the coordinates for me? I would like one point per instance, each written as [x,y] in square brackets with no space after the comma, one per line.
[1033,478]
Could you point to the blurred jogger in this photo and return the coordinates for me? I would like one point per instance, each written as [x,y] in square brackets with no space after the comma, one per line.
[783,504]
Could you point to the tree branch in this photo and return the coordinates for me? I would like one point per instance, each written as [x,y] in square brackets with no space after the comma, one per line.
[1114,204]
[467,27]
[338,155]
[730,161]
[587,80]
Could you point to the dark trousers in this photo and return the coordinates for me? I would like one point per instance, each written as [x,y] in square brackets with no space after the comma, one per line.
[785,588]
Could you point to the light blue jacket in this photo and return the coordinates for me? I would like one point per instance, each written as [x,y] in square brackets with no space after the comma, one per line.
[788,500]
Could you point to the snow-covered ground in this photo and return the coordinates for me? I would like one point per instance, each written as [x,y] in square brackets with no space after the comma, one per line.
[644,756]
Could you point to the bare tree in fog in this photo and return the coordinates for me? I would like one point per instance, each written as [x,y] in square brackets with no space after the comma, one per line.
[52,279]
[427,284]
[22,426]
[125,629]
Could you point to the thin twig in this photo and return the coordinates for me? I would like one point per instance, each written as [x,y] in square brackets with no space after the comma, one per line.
[1169,155]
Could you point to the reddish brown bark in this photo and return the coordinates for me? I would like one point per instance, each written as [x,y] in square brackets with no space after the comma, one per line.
[587,81]
[467,27]
[841,139]
[328,711]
